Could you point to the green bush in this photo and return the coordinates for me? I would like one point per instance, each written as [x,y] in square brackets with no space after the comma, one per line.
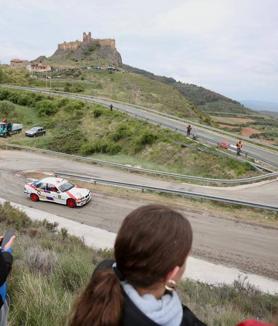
[97,113]
[73,88]
[46,108]
[74,106]
[121,132]
[101,146]
[4,93]
[146,138]
[6,108]
[68,141]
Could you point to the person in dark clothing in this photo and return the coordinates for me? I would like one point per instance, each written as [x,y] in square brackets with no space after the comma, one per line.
[138,286]
[188,130]
[239,147]
[111,107]
[6,261]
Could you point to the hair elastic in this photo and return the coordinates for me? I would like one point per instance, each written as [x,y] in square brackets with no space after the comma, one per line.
[118,272]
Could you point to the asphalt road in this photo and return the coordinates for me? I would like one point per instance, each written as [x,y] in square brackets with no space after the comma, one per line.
[207,136]
[249,247]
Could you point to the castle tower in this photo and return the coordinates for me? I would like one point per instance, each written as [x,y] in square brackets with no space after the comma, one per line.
[87,37]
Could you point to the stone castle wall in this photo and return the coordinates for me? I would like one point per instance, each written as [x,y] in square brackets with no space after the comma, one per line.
[69,45]
[107,42]
[87,39]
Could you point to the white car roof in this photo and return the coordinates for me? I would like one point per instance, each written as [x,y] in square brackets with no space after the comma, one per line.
[54,181]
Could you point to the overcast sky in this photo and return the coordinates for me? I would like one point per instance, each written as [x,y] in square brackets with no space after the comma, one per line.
[230,46]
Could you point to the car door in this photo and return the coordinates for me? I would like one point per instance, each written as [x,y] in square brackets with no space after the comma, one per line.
[54,194]
[41,190]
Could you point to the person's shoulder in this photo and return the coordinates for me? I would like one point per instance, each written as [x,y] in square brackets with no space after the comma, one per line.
[189,319]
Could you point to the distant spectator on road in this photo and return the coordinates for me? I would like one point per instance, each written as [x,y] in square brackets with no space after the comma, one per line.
[111,107]
[6,260]
[188,130]
[239,147]
[138,287]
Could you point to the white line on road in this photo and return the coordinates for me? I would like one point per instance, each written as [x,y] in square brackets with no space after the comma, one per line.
[196,269]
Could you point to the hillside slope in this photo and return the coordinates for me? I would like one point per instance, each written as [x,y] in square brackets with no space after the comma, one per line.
[206,100]
[77,128]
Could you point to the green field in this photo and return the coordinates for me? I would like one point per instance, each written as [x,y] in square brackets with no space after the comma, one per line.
[74,127]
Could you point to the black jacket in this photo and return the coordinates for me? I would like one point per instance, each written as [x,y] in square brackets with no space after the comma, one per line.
[135,317]
[6,260]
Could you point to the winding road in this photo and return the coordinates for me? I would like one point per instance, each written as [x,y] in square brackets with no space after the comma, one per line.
[205,135]
[250,247]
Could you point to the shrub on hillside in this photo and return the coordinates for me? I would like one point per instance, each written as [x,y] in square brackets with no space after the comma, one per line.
[6,108]
[40,261]
[146,138]
[97,113]
[14,217]
[101,147]
[121,132]
[73,88]
[4,93]
[62,102]
[68,141]
[46,108]
[74,106]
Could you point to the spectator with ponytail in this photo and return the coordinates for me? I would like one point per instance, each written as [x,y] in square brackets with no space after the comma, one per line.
[138,287]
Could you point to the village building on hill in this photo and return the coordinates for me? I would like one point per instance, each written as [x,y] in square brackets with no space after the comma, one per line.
[18,63]
[38,67]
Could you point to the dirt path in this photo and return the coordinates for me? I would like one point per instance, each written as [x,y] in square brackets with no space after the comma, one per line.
[251,248]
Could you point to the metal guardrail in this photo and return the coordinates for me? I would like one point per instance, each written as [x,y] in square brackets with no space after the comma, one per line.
[129,168]
[165,190]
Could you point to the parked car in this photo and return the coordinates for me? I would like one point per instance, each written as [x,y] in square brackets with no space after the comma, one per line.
[223,144]
[35,132]
[57,190]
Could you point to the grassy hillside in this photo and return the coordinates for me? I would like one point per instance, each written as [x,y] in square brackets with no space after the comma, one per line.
[78,128]
[51,267]
[201,97]
[119,85]
[159,93]
[213,105]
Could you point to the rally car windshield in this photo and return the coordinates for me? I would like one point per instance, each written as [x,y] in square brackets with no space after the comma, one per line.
[66,186]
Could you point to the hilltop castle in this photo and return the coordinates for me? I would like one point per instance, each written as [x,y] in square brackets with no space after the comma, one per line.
[87,40]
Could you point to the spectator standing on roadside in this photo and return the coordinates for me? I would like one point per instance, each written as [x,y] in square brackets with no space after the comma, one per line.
[6,260]
[111,107]
[138,287]
[188,130]
[238,147]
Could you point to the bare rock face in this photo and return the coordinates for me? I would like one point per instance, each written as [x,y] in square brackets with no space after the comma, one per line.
[88,51]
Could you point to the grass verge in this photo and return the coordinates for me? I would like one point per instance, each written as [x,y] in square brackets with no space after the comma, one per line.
[51,267]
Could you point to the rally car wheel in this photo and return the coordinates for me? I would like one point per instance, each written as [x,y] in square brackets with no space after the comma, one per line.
[71,203]
[34,197]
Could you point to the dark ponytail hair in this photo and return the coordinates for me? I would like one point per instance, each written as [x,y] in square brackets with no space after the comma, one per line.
[152,240]
[101,302]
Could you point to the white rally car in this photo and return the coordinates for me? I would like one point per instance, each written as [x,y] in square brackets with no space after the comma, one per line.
[57,190]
